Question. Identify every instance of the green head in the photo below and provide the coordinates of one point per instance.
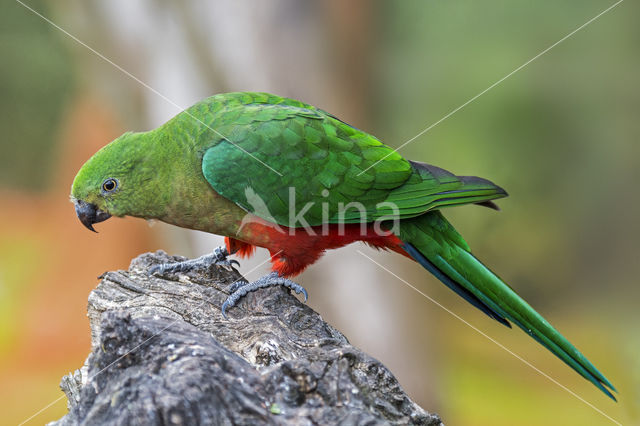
(122, 179)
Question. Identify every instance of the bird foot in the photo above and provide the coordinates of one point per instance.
(219, 257)
(241, 288)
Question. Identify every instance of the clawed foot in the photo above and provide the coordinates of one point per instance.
(219, 257)
(239, 289)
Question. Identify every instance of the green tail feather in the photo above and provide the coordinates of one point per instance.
(433, 242)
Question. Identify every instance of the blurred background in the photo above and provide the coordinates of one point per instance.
(561, 135)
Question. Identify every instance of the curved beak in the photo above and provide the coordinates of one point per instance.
(89, 214)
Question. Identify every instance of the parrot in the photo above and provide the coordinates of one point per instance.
(273, 172)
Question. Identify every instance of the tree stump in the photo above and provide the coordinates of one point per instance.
(163, 354)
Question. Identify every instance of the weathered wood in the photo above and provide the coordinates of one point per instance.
(163, 354)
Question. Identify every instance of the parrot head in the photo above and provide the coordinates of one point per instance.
(114, 182)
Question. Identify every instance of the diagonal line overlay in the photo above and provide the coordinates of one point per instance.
(374, 164)
(494, 341)
(101, 56)
(493, 85)
(138, 346)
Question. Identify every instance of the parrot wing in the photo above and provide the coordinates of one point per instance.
(326, 169)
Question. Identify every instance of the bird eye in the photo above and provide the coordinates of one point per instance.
(109, 185)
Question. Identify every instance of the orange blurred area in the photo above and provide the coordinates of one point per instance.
(50, 262)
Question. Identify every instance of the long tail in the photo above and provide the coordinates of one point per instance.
(433, 242)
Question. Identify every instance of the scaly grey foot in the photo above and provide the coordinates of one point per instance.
(218, 257)
(241, 288)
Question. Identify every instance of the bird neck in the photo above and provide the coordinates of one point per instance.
(191, 202)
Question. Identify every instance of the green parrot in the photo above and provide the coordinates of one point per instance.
(267, 171)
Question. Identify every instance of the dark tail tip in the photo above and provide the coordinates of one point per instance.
(489, 204)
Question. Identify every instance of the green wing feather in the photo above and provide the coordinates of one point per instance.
(324, 165)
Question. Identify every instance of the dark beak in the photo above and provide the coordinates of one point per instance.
(89, 214)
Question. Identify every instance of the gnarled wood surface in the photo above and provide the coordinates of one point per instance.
(163, 354)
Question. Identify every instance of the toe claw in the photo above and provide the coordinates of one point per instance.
(224, 308)
(220, 258)
(155, 269)
(300, 290)
(229, 265)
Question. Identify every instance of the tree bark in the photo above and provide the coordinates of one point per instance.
(163, 354)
